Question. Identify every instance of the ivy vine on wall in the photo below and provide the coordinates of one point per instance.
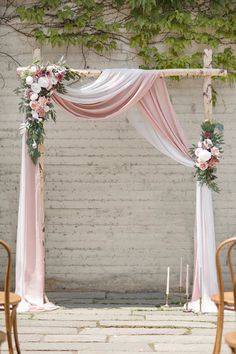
(162, 33)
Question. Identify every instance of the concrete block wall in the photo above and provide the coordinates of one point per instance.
(117, 211)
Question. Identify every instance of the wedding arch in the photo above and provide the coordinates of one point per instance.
(111, 93)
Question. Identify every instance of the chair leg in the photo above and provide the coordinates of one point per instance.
(14, 323)
(8, 324)
(219, 329)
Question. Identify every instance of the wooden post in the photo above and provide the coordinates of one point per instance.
(37, 56)
(207, 87)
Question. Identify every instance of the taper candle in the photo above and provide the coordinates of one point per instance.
(181, 273)
(168, 281)
(187, 280)
(200, 282)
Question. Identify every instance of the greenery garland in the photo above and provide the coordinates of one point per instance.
(207, 153)
(38, 82)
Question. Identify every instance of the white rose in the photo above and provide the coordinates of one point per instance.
(29, 80)
(199, 144)
(197, 151)
(33, 68)
(35, 115)
(43, 82)
(46, 108)
(34, 145)
(35, 87)
(204, 155)
(34, 97)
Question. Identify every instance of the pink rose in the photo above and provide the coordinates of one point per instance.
(39, 73)
(34, 105)
(213, 162)
(42, 101)
(41, 112)
(59, 76)
(202, 165)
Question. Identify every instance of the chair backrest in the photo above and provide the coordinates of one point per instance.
(230, 244)
(7, 281)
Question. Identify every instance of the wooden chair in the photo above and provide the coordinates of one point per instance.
(224, 300)
(230, 339)
(9, 302)
(2, 338)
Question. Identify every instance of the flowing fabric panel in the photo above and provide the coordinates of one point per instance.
(205, 248)
(147, 131)
(204, 233)
(116, 91)
(30, 251)
(112, 93)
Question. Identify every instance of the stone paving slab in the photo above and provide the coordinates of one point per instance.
(117, 329)
(88, 317)
(153, 324)
(187, 348)
(112, 331)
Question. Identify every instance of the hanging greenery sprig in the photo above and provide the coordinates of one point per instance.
(38, 82)
(207, 153)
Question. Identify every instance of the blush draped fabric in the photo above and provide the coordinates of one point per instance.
(112, 93)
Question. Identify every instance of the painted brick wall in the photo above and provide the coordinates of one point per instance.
(117, 211)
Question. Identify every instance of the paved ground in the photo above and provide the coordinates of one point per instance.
(85, 325)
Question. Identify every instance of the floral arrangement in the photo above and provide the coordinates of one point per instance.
(38, 82)
(207, 153)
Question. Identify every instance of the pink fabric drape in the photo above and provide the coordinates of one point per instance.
(30, 253)
(153, 100)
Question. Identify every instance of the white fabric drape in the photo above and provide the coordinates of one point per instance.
(204, 233)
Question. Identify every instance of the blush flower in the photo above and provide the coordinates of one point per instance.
(34, 97)
(202, 165)
(34, 105)
(213, 162)
(41, 112)
(215, 151)
(60, 76)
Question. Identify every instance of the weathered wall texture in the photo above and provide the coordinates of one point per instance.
(117, 211)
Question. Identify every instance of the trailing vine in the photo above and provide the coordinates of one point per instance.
(163, 33)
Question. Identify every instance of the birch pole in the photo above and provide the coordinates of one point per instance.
(37, 56)
(207, 85)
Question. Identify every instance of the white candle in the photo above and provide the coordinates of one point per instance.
(181, 273)
(200, 282)
(168, 281)
(187, 280)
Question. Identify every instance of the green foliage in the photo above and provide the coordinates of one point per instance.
(214, 131)
(183, 28)
(36, 102)
(35, 136)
